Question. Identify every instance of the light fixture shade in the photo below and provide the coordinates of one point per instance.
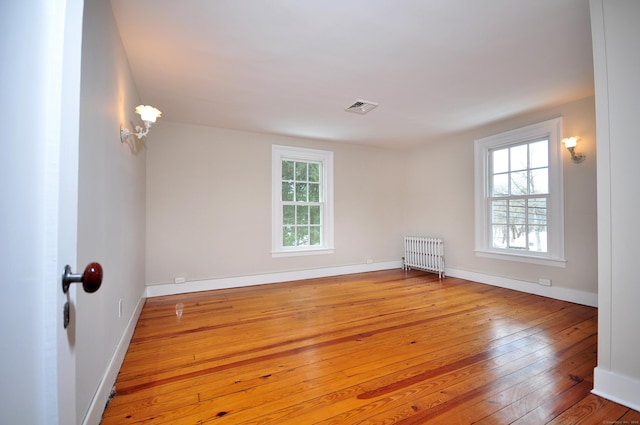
(148, 113)
(570, 142)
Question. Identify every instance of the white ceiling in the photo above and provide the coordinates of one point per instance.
(292, 66)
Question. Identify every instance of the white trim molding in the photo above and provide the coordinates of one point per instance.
(523, 259)
(552, 131)
(281, 153)
(262, 279)
(618, 388)
(556, 292)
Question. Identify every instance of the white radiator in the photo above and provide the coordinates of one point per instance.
(424, 254)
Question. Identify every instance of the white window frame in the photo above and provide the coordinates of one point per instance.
(555, 256)
(278, 154)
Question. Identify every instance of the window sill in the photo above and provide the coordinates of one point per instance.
(531, 259)
(301, 252)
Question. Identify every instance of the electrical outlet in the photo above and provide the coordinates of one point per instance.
(179, 279)
(545, 282)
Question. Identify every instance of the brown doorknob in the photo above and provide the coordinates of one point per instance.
(91, 278)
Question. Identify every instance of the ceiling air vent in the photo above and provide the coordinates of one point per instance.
(361, 106)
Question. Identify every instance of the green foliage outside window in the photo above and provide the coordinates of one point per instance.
(301, 209)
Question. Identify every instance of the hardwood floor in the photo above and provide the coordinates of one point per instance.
(387, 347)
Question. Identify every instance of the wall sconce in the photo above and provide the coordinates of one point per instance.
(570, 144)
(149, 114)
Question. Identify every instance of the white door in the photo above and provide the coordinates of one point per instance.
(39, 117)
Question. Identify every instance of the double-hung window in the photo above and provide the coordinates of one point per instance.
(302, 192)
(519, 196)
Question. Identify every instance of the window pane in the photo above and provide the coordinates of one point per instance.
(499, 236)
(302, 214)
(517, 212)
(314, 213)
(539, 181)
(316, 235)
(314, 192)
(519, 158)
(537, 212)
(301, 171)
(517, 237)
(288, 236)
(499, 212)
(314, 172)
(287, 191)
(288, 214)
(538, 239)
(517, 221)
(301, 192)
(303, 236)
(501, 185)
(519, 183)
(500, 161)
(287, 170)
(539, 154)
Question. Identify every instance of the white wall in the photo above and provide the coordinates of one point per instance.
(111, 210)
(616, 41)
(209, 204)
(441, 183)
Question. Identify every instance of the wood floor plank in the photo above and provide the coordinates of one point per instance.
(390, 347)
(592, 410)
(508, 406)
(469, 385)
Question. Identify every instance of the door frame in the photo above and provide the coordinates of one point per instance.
(65, 63)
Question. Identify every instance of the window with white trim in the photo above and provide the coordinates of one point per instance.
(302, 201)
(519, 195)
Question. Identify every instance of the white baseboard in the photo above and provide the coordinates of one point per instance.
(261, 279)
(618, 388)
(556, 292)
(564, 294)
(100, 398)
